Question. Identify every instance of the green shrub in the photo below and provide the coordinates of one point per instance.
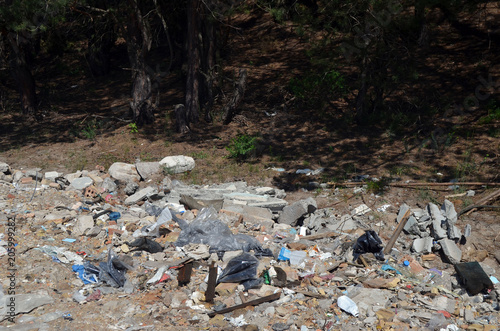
(242, 146)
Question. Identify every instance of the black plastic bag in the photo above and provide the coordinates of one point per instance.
(368, 243)
(145, 244)
(111, 272)
(240, 268)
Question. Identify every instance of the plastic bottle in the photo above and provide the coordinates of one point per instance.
(346, 304)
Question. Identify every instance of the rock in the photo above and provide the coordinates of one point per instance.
(34, 173)
(109, 185)
(147, 169)
(422, 245)
(140, 195)
(448, 210)
(454, 233)
(24, 303)
(411, 226)
(81, 183)
(94, 231)
(402, 211)
(177, 164)
(51, 175)
(4, 168)
(83, 223)
(73, 176)
(131, 187)
(291, 214)
(451, 250)
(124, 172)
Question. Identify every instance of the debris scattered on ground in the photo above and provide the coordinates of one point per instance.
(110, 247)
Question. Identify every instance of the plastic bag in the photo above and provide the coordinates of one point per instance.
(207, 229)
(145, 244)
(240, 268)
(368, 243)
(153, 230)
(111, 272)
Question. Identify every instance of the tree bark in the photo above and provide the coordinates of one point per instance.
(208, 66)
(180, 119)
(21, 74)
(138, 45)
(193, 82)
(239, 93)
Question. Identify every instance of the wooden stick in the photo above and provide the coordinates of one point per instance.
(397, 232)
(480, 202)
(321, 235)
(255, 302)
(212, 283)
(397, 184)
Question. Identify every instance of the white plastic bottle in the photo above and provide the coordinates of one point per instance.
(346, 304)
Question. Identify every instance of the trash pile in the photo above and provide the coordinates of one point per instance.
(112, 248)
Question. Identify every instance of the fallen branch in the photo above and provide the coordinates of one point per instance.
(255, 302)
(481, 203)
(321, 236)
(418, 184)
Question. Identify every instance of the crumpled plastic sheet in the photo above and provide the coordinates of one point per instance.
(111, 272)
(61, 254)
(153, 230)
(208, 230)
(147, 245)
(369, 242)
(239, 269)
(86, 277)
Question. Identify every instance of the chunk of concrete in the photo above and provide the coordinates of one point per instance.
(411, 226)
(148, 169)
(422, 245)
(177, 164)
(291, 214)
(81, 182)
(402, 211)
(83, 223)
(140, 195)
(454, 233)
(109, 185)
(451, 250)
(448, 210)
(51, 175)
(124, 172)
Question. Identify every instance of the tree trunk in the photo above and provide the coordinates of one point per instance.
(138, 44)
(361, 97)
(208, 66)
(21, 73)
(192, 82)
(101, 40)
(180, 119)
(239, 93)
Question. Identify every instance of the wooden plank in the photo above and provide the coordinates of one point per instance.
(255, 302)
(397, 232)
(212, 283)
(321, 235)
(184, 275)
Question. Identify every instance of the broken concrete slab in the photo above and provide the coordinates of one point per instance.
(124, 172)
(448, 210)
(140, 195)
(83, 223)
(451, 250)
(402, 211)
(411, 226)
(81, 182)
(422, 245)
(291, 214)
(147, 169)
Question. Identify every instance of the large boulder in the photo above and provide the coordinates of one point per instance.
(177, 164)
(124, 172)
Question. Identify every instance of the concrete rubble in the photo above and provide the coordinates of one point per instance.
(92, 250)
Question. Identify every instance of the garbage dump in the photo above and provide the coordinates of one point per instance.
(130, 255)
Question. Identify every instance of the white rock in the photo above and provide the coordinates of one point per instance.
(177, 164)
(124, 172)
